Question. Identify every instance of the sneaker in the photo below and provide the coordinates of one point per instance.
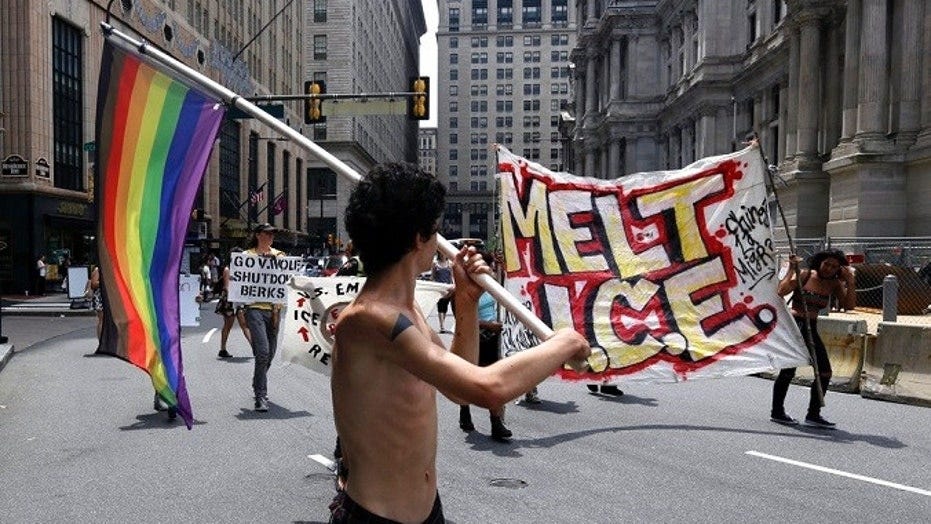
(498, 431)
(261, 404)
(159, 404)
(224, 354)
(465, 419)
(783, 419)
(531, 397)
(172, 413)
(611, 390)
(819, 422)
(593, 388)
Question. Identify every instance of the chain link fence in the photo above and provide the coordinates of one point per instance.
(874, 258)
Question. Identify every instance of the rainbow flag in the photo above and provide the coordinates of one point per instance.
(154, 137)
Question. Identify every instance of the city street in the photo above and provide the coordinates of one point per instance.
(80, 442)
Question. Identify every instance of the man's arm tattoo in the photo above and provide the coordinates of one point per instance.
(400, 325)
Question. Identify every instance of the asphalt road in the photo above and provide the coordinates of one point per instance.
(79, 442)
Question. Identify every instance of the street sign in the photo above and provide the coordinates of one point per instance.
(389, 106)
(275, 110)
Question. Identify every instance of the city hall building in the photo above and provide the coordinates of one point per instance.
(838, 91)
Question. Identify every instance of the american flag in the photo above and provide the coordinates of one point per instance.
(257, 196)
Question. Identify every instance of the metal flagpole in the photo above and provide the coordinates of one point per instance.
(770, 181)
(537, 326)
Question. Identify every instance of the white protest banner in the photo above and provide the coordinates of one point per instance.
(256, 278)
(188, 290)
(313, 306)
(670, 275)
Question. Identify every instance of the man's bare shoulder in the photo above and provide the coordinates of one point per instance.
(364, 318)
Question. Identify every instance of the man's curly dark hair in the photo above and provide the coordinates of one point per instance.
(393, 203)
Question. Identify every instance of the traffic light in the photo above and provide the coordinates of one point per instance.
(313, 111)
(418, 107)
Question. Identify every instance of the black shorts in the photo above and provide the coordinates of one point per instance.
(489, 350)
(442, 305)
(344, 510)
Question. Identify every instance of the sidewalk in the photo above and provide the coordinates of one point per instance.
(51, 304)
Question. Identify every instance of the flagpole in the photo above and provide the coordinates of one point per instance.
(809, 340)
(537, 326)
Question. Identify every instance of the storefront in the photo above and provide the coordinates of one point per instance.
(33, 225)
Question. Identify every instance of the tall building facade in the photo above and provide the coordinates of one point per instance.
(505, 79)
(49, 65)
(427, 149)
(839, 92)
(355, 47)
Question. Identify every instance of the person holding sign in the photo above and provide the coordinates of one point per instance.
(388, 363)
(262, 320)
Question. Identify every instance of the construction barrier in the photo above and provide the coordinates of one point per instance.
(844, 340)
(897, 366)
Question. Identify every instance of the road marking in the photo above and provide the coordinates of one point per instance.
(208, 335)
(325, 462)
(841, 473)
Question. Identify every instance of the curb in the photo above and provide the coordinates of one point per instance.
(6, 353)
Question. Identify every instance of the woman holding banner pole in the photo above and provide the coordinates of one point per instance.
(827, 276)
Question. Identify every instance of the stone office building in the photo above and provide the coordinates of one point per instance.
(49, 64)
(839, 92)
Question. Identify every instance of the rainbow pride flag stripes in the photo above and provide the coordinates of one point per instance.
(154, 137)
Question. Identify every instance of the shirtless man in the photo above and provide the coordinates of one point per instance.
(388, 363)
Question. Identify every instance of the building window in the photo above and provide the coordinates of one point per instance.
(68, 105)
(479, 14)
(454, 20)
(229, 169)
(560, 13)
(270, 173)
(453, 122)
(453, 138)
(453, 42)
(505, 14)
(319, 11)
(319, 47)
(530, 13)
(286, 187)
(454, 74)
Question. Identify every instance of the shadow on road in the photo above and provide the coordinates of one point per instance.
(481, 442)
(559, 408)
(275, 411)
(157, 421)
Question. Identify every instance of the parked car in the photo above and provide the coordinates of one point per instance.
(314, 267)
(332, 264)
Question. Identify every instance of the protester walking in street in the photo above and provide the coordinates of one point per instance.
(229, 311)
(828, 275)
(93, 291)
(262, 319)
(489, 352)
(388, 363)
(442, 272)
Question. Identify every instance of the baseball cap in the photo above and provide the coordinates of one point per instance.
(264, 227)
